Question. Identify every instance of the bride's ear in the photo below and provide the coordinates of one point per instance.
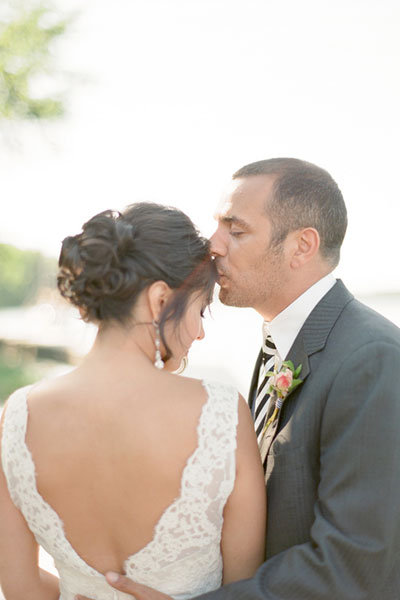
(158, 294)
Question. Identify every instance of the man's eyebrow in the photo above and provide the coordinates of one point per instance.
(235, 221)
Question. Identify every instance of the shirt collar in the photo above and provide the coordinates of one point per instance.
(287, 324)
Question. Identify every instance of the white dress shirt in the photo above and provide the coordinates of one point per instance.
(285, 327)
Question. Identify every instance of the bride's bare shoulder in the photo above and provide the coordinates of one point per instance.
(194, 391)
(50, 390)
(187, 387)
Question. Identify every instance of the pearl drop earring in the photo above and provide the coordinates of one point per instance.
(158, 362)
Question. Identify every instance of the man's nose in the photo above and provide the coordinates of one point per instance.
(218, 247)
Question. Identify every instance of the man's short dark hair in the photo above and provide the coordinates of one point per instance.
(304, 195)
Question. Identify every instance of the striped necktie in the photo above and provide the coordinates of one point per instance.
(262, 397)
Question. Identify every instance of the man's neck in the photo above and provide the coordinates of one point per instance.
(287, 324)
(290, 295)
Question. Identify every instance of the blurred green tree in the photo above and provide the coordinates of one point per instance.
(26, 37)
(22, 274)
(14, 377)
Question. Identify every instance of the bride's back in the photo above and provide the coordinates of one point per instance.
(109, 456)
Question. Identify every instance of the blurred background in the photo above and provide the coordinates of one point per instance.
(104, 104)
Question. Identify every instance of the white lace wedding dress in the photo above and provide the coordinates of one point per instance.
(183, 559)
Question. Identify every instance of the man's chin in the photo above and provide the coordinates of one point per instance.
(223, 296)
(229, 299)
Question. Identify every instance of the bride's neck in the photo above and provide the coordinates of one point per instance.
(120, 347)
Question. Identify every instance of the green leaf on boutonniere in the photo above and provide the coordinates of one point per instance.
(297, 372)
(288, 363)
(294, 385)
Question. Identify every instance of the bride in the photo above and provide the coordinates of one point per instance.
(120, 464)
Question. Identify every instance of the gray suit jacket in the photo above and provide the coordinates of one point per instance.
(333, 465)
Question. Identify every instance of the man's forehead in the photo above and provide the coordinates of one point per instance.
(244, 196)
(226, 203)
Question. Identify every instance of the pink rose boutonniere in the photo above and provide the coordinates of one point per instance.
(282, 383)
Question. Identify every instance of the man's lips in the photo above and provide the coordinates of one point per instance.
(221, 273)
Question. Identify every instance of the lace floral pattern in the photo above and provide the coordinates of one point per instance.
(183, 559)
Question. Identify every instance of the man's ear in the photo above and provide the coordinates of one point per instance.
(158, 294)
(304, 246)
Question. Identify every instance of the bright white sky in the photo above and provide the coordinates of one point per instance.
(178, 94)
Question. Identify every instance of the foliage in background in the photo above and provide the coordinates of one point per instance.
(19, 367)
(22, 274)
(26, 38)
(28, 91)
(15, 376)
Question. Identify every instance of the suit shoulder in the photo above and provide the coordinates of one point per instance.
(369, 323)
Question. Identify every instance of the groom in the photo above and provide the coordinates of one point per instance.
(332, 453)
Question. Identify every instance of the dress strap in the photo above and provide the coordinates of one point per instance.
(14, 452)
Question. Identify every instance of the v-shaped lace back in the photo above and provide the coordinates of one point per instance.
(183, 559)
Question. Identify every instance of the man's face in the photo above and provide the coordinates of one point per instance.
(251, 272)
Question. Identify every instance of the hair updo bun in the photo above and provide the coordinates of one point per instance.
(104, 268)
(93, 266)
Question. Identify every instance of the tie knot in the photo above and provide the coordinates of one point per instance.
(268, 346)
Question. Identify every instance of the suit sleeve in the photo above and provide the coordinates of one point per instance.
(354, 550)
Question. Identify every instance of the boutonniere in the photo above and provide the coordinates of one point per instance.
(283, 382)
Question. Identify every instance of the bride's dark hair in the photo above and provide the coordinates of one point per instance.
(117, 255)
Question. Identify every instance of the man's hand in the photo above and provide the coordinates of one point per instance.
(137, 590)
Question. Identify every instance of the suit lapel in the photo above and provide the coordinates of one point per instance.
(311, 338)
(321, 320)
